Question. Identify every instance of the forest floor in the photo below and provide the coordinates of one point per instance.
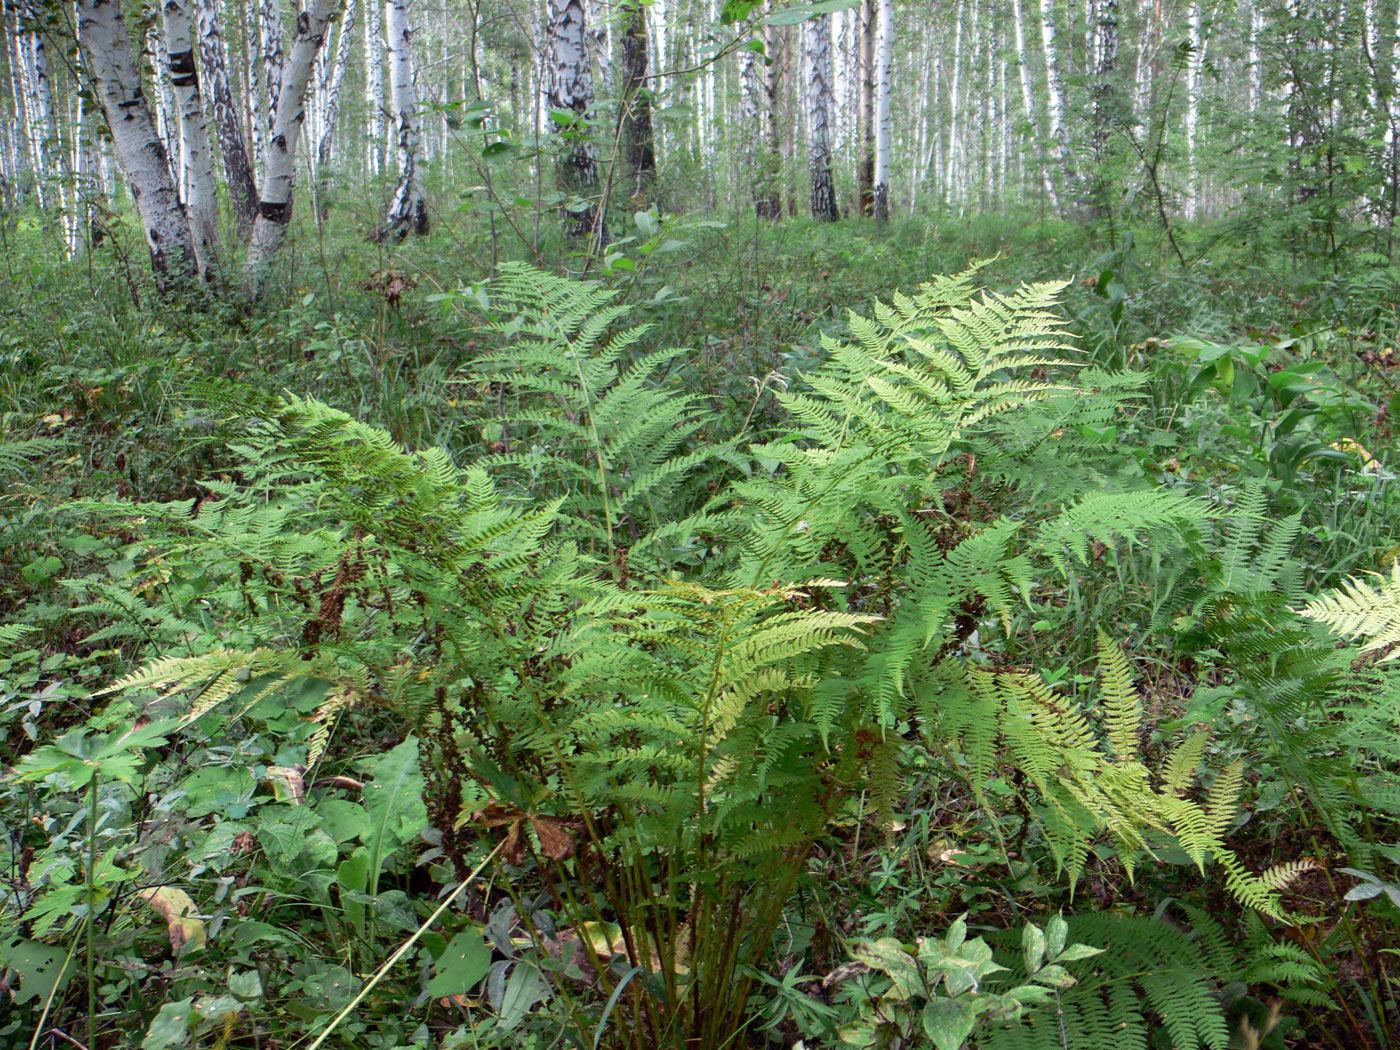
(211, 853)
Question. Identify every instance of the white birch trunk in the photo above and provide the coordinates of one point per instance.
(1195, 69)
(955, 107)
(408, 211)
(374, 87)
(196, 160)
(570, 89)
(1055, 95)
(108, 57)
(167, 124)
(1029, 107)
(324, 148)
(884, 56)
(273, 60)
(239, 173)
(45, 130)
(275, 204)
(817, 37)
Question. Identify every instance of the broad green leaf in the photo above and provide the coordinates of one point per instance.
(1033, 945)
(948, 1022)
(170, 1027)
(462, 966)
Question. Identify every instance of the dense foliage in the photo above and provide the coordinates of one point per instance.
(965, 672)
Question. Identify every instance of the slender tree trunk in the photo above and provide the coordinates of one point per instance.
(1055, 92)
(273, 60)
(955, 107)
(196, 161)
(42, 127)
(242, 187)
(600, 45)
(167, 123)
(332, 103)
(1195, 79)
(408, 211)
(108, 57)
(1106, 49)
(374, 86)
(275, 205)
(1029, 106)
(884, 56)
(819, 107)
(865, 76)
(637, 133)
(570, 90)
(768, 203)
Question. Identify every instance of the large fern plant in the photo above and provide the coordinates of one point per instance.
(667, 737)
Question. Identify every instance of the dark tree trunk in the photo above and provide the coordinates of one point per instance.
(636, 100)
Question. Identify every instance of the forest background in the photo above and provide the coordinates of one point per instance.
(699, 523)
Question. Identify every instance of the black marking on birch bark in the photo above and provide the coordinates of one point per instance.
(279, 213)
(182, 70)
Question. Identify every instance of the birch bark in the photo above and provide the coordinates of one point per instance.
(408, 211)
(196, 162)
(1195, 76)
(374, 86)
(884, 52)
(817, 36)
(337, 81)
(1055, 94)
(237, 171)
(107, 55)
(569, 95)
(275, 203)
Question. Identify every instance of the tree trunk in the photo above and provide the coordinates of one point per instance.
(1106, 52)
(39, 97)
(768, 204)
(272, 58)
(107, 55)
(636, 103)
(600, 44)
(1195, 79)
(570, 97)
(817, 36)
(239, 173)
(865, 77)
(196, 163)
(374, 86)
(275, 204)
(955, 107)
(1028, 104)
(408, 211)
(1055, 91)
(332, 102)
(884, 53)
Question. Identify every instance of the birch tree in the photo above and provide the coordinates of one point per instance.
(817, 37)
(196, 161)
(408, 211)
(1055, 97)
(331, 102)
(1195, 81)
(238, 171)
(108, 57)
(570, 97)
(374, 87)
(275, 203)
(865, 80)
(883, 75)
